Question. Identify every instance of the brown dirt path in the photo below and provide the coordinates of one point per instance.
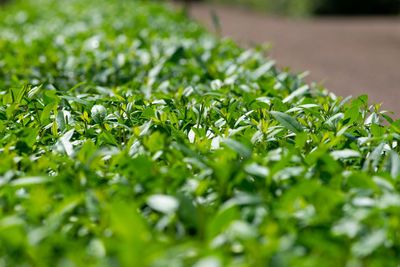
(352, 56)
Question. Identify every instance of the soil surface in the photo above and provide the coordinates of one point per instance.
(351, 56)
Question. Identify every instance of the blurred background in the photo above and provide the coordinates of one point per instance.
(320, 7)
(352, 47)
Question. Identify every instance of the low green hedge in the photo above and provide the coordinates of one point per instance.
(129, 136)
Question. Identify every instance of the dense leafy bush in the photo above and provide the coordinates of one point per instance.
(129, 136)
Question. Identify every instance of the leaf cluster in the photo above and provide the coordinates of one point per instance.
(129, 136)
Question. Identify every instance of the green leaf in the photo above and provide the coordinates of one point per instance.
(208, 262)
(242, 230)
(394, 160)
(46, 111)
(34, 91)
(60, 119)
(257, 170)
(19, 94)
(287, 121)
(262, 70)
(299, 92)
(148, 113)
(377, 130)
(163, 203)
(98, 113)
(109, 138)
(27, 181)
(241, 149)
(76, 86)
(86, 151)
(178, 54)
(373, 159)
(345, 154)
(369, 243)
(50, 96)
(65, 143)
(30, 136)
(187, 211)
(353, 114)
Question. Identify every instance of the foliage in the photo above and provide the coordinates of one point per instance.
(129, 136)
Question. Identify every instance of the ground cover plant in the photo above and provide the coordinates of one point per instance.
(129, 136)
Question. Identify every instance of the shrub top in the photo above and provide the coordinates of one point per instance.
(129, 136)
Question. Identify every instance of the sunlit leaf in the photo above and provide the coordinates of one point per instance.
(163, 203)
(287, 121)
